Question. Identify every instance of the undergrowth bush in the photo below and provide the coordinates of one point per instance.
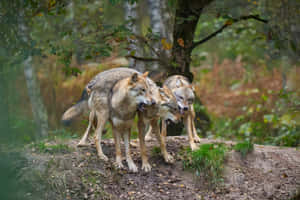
(207, 161)
(277, 126)
(244, 147)
(44, 147)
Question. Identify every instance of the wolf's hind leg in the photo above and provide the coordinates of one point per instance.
(83, 141)
(102, 118)
(132, 167)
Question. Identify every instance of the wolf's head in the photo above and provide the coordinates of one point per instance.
(169, 109)
(138, 91)
(184, 95)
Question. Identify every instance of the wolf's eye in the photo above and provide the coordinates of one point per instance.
(190, 101)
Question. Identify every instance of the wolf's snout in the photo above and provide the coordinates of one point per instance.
(153, 102)
(183, 109)
(141, 106)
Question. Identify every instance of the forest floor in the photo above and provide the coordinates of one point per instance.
(76, 173)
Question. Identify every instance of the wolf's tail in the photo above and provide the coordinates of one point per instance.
(77, 109)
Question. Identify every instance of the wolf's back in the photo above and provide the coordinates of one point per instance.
(76, 110)
(103, 82)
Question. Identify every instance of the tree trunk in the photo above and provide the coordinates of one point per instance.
(131, 16)
(4, 110)
(186, 20)
(37, 106)
(167, 21)
(157, 26)
(38, 109)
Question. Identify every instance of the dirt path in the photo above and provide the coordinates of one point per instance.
(267, 173)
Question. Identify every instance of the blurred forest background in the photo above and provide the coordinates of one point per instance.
(243, 57)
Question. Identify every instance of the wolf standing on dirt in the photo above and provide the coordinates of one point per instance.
(106, 101)
(183, 91)
(116, 100)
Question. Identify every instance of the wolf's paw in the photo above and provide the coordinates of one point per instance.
(132, 167)
(148, 137)
(146, 167)
(196, 138)
(168, 158)
(194, 146)
(103, 157)
(82, 143)
(134, 143)
(119, 165)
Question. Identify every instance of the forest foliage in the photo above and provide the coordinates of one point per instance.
(259, 35)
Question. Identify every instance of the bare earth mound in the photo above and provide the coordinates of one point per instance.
(267, 173)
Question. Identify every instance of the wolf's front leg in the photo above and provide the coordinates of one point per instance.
(102, 118)
(192, 115)
(142, 129)
(162, 139)
(117, 138)
(196, 137)
(188, 127)
(148, 136)
(132, 167)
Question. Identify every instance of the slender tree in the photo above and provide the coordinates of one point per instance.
(131, 15)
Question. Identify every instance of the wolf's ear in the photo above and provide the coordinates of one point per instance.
(165, 91)
(178, 83)
(165, 88)
(145, 74)
(134, 78)
(162, 93)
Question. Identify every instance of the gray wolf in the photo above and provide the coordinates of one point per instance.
(116, 100)
(184, 94)
(163, 104)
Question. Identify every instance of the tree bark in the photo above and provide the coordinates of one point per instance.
(186, 19)
(38, 109)
(131, 15)
(4, 110)
(37, 106)
(156, 25)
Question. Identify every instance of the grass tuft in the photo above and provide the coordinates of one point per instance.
(207, 161)
(244, 148)
(43, 147)
(155, 151)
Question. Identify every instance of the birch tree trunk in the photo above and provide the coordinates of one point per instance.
(4, 110)
(37, 106)
(156, 25)
(38, 109)
(167, 21)
(131, 15)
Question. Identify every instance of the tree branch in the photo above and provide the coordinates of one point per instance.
(227, 23)
(145, 59)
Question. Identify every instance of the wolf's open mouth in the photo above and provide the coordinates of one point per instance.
(141, 107)
(168, 121)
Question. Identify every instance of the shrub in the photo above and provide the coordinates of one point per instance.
(43, 147)
(244, 147)
(207, 161)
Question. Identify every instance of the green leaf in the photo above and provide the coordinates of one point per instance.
(268, 118)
